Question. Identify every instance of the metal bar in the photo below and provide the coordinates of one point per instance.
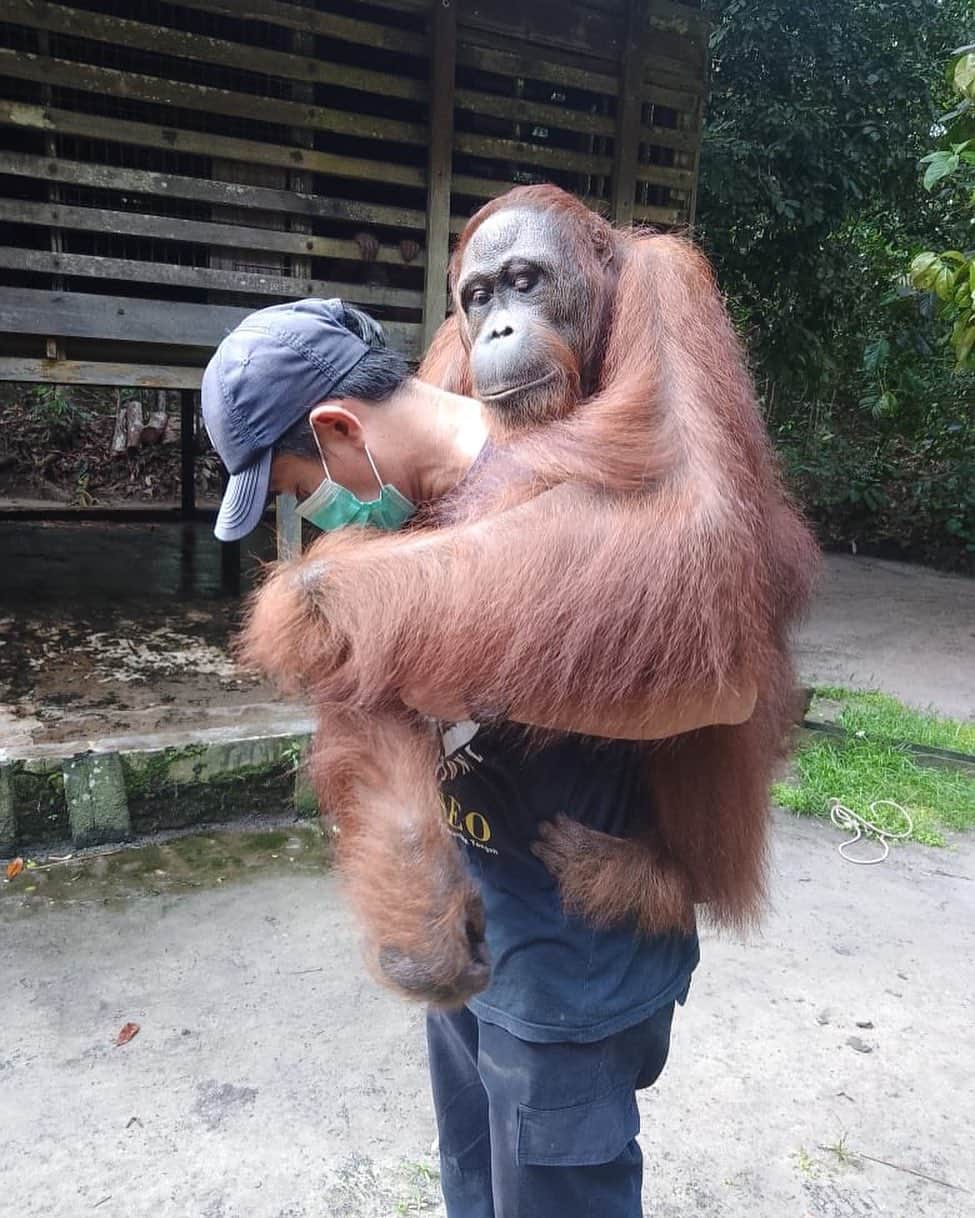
(187, 445)
(287, 527)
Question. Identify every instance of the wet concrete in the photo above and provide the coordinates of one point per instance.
(95, 562)
(270, 1078)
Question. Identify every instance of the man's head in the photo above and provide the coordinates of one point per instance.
(282, 372)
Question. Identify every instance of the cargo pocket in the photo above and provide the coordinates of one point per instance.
(582, 1135)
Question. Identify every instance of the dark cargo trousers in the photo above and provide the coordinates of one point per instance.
(541, 1130)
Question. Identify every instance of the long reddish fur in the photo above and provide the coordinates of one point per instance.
(641, 543)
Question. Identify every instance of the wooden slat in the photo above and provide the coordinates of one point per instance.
(551, 23)
(477, 51)
(669, 137)
(528, 63)
(84, 372)
(682, 100)
(202, 143)
(669, 10)
(134, 320)
(661, 175)
(328, 25)
(672, 74)
(167, 228)
(205, 190)
(473, 187)
(536, 113)
(443, 71)
(627, 145)
(156, 89)
(562, 118)
(531, 154)
(164, 40)
(202, 278)
(667, 216)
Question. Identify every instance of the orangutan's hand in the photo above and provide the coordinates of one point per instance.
(612, 880)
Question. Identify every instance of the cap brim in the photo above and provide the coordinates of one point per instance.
(244, 500)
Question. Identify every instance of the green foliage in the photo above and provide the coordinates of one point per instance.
(811, 206)
(57, 420)
(949, 276)
(902, 494)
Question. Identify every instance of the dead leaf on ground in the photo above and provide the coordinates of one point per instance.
(14, 868)
(130, 1030)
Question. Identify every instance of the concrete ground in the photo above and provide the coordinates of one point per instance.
(271, 1079)
(906, 630)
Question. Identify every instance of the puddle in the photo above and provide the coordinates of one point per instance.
(176, 864)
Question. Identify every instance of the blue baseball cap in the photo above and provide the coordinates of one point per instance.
(266, 375)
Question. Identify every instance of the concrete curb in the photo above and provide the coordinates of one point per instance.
(110, 790)
(927, 754)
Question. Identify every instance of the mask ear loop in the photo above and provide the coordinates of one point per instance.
(321, 453)
(372, 466)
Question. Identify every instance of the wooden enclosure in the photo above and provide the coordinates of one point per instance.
(165, 167)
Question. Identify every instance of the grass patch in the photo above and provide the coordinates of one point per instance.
(881, 717)
(859, 771)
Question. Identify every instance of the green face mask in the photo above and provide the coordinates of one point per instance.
(332, 506)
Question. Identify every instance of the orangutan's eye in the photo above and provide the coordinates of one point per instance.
(525, 281)
(478, 296)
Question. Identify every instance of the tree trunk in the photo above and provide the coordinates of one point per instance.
(155, 429)
(134, 424)
(121, 426)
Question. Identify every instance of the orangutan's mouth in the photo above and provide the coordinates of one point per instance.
(499, 395)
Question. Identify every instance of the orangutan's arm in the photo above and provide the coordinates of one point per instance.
(638, 719)
(555, 612)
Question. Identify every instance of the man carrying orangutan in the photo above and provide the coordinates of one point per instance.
(534, 1079)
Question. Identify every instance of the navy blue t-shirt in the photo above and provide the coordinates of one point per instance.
(554, 977)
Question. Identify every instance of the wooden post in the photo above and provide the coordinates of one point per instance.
(187, 440)
(629, 108)
(288, 527)
(443, 62)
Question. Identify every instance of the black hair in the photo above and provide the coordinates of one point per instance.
(375, 378)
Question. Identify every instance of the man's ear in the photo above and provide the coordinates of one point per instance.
(335, 425)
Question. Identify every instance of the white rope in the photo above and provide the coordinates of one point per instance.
(845, 818)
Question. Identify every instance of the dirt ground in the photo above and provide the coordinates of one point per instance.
(118, 629)
(821, 1069)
